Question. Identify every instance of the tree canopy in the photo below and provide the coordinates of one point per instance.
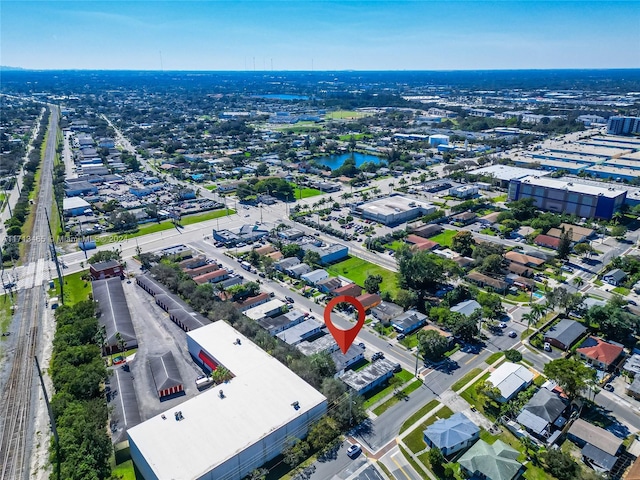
(571, 375)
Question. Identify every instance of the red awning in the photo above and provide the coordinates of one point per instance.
(207, 360)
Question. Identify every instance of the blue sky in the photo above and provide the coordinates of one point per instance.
(330, 35)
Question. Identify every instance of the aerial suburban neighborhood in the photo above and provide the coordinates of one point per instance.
(169, 246)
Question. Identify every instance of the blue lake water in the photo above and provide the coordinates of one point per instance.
(336, 161)
(282, 96)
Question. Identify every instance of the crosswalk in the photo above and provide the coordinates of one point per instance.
(33, 274)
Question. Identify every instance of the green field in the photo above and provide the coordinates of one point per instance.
(345, 115)
(306, 192)
(162, 226)
(75, 289)
(355, 136)
(211, 187)
(300, 127)
(357, 270)
(444, 238)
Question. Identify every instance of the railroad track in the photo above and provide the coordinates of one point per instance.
(16, 418)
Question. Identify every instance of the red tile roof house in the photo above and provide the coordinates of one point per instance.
(599, 353)
(350, 289)
(420, 243)
(547, 241)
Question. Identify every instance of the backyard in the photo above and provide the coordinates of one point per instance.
(75, 288)
(444, 238)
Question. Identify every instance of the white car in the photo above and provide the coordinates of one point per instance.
(547, 346)
(354, 450)
(502, 325)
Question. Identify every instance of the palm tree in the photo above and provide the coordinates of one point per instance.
(529, 317)
(101, 338)
(617, 217)
(538, 310)
(578, 282)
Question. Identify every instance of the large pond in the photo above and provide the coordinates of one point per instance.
(336, 161)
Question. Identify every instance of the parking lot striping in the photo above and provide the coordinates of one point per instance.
(400, 466)
(124, 411)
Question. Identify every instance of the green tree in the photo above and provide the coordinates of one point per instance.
(372, 283)
(618, 231)
(523, 209)
(291, 250)
(466, 328)
(406, 299)
(492, 264)
(323, 433)
(436, 459)
(311, 258)
(295, 452)
(564, 247)
(571, 375)
(432, 345)
(513, 355)
(560, 464)
(583, 249)
(463, 242)
(105, 256)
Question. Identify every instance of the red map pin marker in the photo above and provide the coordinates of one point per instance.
(344, 338)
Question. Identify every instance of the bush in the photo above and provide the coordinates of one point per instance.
(513, 355)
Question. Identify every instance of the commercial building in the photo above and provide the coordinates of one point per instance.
(464, 191)
(566, 197)
(329, 253)
(226, 432)
(315, 276)
(74, 206)
(435, 140)
(393, 210)
(165, 374)
(623, 125)
(503, 174)
(113, 314)
(108, 269)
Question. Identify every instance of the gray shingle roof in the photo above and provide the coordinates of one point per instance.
(566, 331)
(164, 371)
(113, 311)
(449, 432)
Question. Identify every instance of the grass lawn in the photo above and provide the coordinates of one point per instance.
(414, 464)
(395, 245)
(162, 226)
(493, 357)
(410, 341)
(520, 297)
(419, 414)
(345, 115)
(378, 394)
(125, 471)
(470, 394)
(488, 231)
(211, 187)
(444, 238)
(301, 127)
(357, 270)
(621, 291)
(301, 193)
(404, 393)
(355, 136)
(75, 289)
(499, 198)
(415, 440)
(5, 313)
(466, 379)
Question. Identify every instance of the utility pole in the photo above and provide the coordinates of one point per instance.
(54, 254)
(51, 418)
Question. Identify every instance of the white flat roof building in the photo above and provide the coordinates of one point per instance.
(265, 310)
(224, 437)
(506, 173)
(394, 209)
(510, 378)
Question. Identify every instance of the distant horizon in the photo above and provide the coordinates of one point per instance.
(322, 35)
(23, 69)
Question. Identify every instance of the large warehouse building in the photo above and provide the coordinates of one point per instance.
(227, 431)
(560, 196)
(393, 210)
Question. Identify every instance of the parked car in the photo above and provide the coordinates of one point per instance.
(566, 268)
(608, 387)
(631, 302)
(547, 346)
(377, 356)
(354, 450)
(361, 344)
(289, 299)
(401, 336)
(502, 325)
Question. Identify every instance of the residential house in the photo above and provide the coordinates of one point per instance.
(350, 289)
(510, 378)
(447, 335)
(344, 361)
(298, 270)
(542, 412)
(488, 282)
(408, 321)
(419, 243)
(275, 325)
(466, 308)
(615, 277)
(633, 390)
(386, 311)
(302, 331)
(632, 365)
(370, 377)
(286, 263)
(491, 462)
(329, 285)
(450, 435)
(251, 302)
(522, 259)
(428, 231)
(314, 277)
(464, 218)
(547, 241)
(520, 270)
(600, 353)
(490, 218)
(212, 277)
(599, 446)
(369, 300)
(270, 308)
(576, 234)
(564, 334)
